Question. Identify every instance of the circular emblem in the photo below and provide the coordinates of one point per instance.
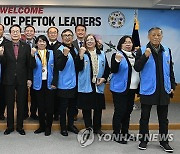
(85, 137)
(116, 19)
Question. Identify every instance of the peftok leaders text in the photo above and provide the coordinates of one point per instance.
(51, 21)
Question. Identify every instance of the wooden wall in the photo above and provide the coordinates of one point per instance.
(176, 98)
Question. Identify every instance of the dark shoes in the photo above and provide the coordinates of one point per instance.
(100, 132)
(73, 129)
(34, 117)
(119, 138)
(70, 128)
(142, 145)
(166, 147)
(64, 132)
(39, 130)
(8, 131)
(21, 131)
(47, 131)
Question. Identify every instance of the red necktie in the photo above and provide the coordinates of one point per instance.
(16, 48)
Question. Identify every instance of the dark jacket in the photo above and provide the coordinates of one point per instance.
(160, 97)
(75, 44)
(54, 47)
(115, 68)
(16, 70)
(2, 66)
(106, 71)
(60, 65)
(55, 72)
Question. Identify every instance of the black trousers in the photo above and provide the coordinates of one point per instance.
(76, 109)
(45, 99)
(26, 107)
(34, 104)
(96, 122)
(21, 91)
(162, 112)
(2, 100)
(67, 106)
(56, 104)
(123, 106)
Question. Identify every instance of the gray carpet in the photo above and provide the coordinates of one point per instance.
(57, 144)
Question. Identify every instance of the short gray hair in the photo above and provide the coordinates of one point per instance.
(154, 28)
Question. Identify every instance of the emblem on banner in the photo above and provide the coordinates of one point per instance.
(116, 19)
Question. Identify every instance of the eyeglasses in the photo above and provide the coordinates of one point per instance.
(90, 40)
(67, 36)
(15, 31)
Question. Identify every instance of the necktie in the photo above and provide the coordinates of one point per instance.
(16, 50)
(80, 44)
(30, 43)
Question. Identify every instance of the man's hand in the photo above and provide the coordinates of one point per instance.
(82, 50)
(33, 50)
(53, 87)
(1, 50)
(29, 83)
(118, 57)
(100, 81)
(66, 51)
(147, 52)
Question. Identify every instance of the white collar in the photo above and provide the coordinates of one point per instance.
(1, 39)
(80, 41)
(52, 42)
(29, 41)
(128, 53)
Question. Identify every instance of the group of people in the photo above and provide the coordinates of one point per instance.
(70, 75)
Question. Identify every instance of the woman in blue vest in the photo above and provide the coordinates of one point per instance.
(44, 81)
(67, 81)
(94, 71)
(123, 85)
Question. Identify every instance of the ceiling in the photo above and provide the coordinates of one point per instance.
(151, 4)
(166, 4)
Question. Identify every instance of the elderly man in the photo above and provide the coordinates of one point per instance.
(15, 56)
(157, 85)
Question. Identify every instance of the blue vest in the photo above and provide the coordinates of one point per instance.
(37, 72)
(67, 77)
(119, 80)
(84, 77)
(148, 74)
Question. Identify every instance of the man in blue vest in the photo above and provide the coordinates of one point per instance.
(67, 64)
(157, 85)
